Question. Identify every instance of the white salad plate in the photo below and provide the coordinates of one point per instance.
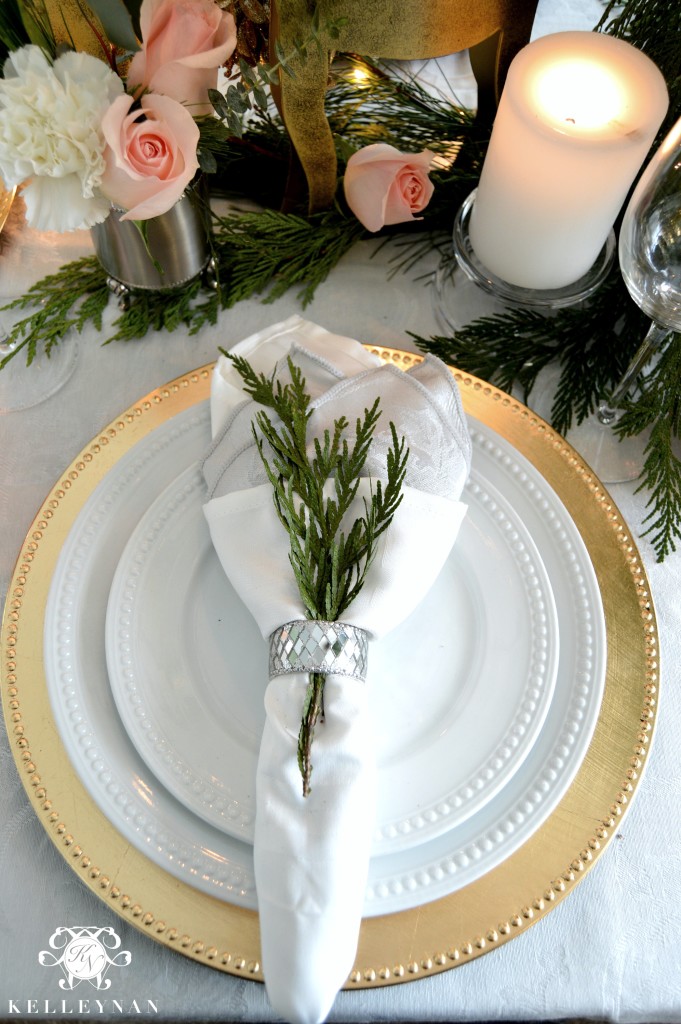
(458, 693)
(154, 821)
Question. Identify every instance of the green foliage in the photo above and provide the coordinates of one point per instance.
(52, 302)
(117, 23)
(277, 251)
(13, 34)
(26, 21)
(78, 294)
(254, 253)
(591, 343)
(329, 560)
(659, 408)
(248, 90)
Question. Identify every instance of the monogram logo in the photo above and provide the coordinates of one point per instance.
(84, 954)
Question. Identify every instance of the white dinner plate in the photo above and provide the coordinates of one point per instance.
(458, 693)
(159, 825)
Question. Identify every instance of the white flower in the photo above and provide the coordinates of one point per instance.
(50, 135)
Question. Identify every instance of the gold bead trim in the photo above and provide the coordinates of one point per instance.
(125, 904)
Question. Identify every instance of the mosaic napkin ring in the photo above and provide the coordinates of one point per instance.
(309, 645)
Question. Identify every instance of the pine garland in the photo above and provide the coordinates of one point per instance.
(256, 253)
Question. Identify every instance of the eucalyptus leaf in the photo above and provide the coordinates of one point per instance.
(260, 97)
(219, 103)
(237, 99)
(234, 124)
(117, 23)
(269, 76)
(207, 161)
(247, 73)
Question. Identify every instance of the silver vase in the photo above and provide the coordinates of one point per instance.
(178, 246)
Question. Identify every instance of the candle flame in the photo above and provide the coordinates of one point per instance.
(580, 94)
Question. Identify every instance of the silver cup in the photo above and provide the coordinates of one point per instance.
(178, 244)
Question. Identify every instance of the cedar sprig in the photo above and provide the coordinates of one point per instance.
(329, 560)
(592, 344)
(658, 408)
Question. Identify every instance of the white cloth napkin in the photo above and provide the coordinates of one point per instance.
(312, 854)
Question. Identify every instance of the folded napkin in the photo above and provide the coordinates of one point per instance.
(312, 853)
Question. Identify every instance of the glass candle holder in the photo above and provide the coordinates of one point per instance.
(465, 289)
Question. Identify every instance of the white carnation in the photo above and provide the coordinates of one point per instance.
(50, 135)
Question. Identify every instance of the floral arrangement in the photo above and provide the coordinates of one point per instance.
(394, 145)
(81, 136)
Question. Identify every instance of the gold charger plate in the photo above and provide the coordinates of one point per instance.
(394, 948)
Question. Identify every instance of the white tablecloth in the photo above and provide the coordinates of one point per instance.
(609, 952)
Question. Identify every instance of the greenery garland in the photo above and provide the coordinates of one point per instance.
(269, 252)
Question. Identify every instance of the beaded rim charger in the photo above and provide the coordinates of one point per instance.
(439, 935)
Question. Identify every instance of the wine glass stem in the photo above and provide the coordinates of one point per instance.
(608, 409)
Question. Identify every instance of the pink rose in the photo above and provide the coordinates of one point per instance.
(383, 186)
(150, 160)
(184, 43)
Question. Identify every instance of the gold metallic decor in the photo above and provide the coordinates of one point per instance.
(399, 947)
(75, 25)
(494, 30)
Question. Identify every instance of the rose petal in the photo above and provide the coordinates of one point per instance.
(148, 163)
(184, 43)
(383, 186)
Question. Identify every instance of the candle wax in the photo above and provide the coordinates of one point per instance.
(576, 119)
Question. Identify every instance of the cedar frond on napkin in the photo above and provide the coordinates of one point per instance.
(329, 564)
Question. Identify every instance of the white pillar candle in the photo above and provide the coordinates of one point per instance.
(577, 116)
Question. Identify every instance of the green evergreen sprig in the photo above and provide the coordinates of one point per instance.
(76, 295)
(263, 253)
(658, 408)
(592, 345)
(329, 559)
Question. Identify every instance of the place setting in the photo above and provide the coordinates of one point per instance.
(142, 632)
(328, 664)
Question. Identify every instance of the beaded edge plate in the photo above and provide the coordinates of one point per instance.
(413, 943)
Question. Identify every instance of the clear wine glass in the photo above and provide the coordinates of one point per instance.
(650, 262)
(22, 386)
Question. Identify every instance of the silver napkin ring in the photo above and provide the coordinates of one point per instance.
(308, 645)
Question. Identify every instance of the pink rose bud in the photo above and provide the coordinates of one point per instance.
(383, 186)
(150, 159)
(184, 44)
